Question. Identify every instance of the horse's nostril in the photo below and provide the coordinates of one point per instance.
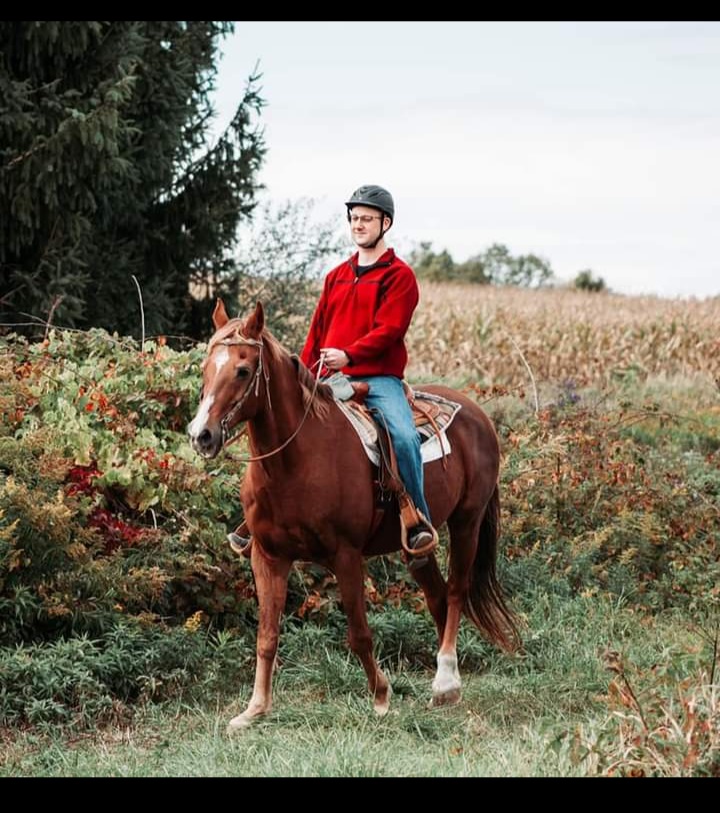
(204, 437)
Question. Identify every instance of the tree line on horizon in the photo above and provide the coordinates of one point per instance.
(494, 266)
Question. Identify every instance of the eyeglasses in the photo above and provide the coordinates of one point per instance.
(364, 218)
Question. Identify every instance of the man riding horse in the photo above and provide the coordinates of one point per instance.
(359, 328)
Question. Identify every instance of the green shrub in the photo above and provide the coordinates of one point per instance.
(82, 682)
(109, 522)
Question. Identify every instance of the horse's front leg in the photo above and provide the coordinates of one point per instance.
(271, 579)
(349, 572)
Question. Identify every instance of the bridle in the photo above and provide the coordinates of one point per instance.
(235, 340)
(239, 339)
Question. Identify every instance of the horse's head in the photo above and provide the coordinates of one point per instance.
(232, 373)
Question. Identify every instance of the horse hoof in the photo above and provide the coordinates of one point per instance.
(449, 698)
(381, 707)
(239, 723)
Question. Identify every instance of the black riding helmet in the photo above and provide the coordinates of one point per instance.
(374, 196)
(378, 198)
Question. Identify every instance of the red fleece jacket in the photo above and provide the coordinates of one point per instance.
(365, 315)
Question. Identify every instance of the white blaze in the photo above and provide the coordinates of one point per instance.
(200, 420)
(221, 359)
(222, 356)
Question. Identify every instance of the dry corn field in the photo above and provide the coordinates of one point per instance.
(482, 333)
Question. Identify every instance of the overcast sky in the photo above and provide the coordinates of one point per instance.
(595, 145)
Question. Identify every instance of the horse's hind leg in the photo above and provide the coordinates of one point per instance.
(349, 572)
(433, 586)
(271, 578)
(446, 686)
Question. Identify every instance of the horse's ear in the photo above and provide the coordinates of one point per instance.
(256, 322)
(220, 316)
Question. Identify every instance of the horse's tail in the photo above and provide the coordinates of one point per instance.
(485, 604)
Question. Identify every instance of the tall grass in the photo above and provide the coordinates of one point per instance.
(545, 712)
(477, 333)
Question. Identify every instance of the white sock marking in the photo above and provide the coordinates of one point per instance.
(447, 677)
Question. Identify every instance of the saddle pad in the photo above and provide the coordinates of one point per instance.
(442, 410)
(432, 447)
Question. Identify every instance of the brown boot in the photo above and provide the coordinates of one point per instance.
(421, 538)
(239, 542)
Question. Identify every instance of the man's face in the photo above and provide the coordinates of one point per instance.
(365, 225)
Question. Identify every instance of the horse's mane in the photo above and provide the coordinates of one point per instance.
(276, 353)
(320, 404)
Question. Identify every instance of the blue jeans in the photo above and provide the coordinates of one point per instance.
(387, 395)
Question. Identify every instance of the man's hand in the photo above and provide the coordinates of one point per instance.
(333, 358)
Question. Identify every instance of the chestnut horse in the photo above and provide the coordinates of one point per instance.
(308, 495)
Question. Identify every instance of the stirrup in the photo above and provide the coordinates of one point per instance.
(240, 544)
(416, 557)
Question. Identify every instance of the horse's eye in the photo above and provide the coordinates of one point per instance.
(242, 372)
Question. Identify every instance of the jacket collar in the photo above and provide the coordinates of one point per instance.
(383, 261)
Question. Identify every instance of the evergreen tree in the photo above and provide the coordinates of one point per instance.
(104, 173)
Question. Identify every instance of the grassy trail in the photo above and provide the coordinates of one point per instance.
(528, 715)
